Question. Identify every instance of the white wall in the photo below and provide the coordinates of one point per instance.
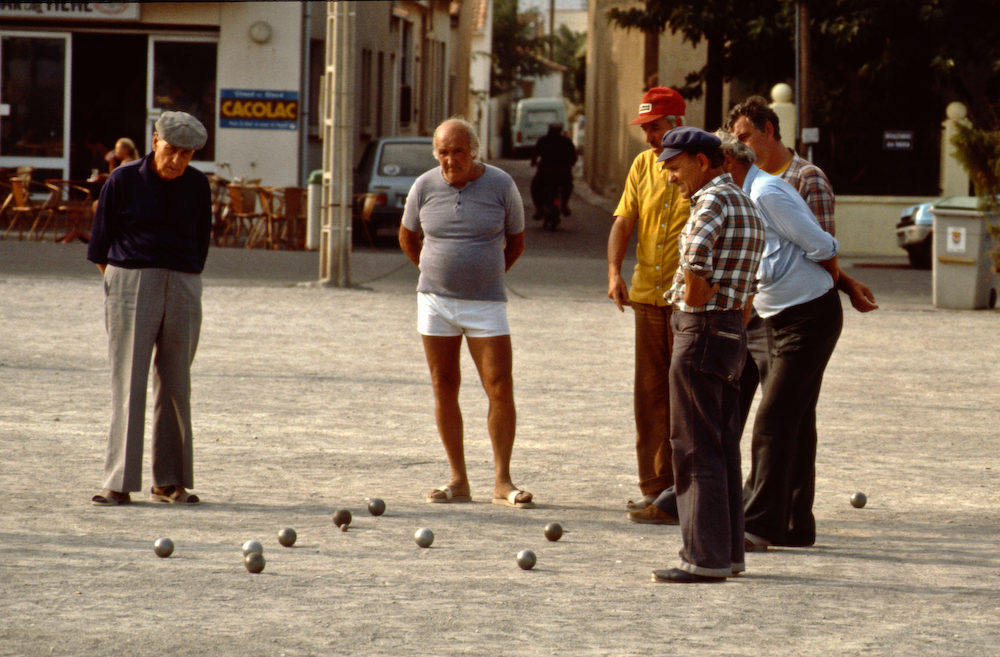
(271, 155)
(866, 225)
(549, 86)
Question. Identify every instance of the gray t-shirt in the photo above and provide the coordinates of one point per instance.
(464, 232)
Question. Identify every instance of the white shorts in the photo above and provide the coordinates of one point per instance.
(444, 317)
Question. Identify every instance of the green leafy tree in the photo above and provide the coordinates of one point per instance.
(747, 39)
(516, 48)
(896, 57)
(569, 49)
(890, 56)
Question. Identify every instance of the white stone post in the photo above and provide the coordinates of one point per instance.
(954, 179)
(781, 97)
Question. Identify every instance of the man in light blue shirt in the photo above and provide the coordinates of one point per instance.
(798, 303)
(793, 245)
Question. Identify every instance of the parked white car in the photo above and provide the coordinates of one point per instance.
(388, 168)
(913, 233)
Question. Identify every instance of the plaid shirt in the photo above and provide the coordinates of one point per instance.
(814, 187)
(722, 242)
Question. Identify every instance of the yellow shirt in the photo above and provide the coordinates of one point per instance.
(660, 213)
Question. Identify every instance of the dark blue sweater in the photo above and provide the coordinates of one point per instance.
(145, 221)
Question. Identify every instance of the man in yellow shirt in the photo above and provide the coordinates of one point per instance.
(656, 208)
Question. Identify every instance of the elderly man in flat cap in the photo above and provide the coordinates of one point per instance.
(150, 241)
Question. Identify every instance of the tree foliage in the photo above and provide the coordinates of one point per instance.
(516, 49)
(569, 49)
(747, 39)
(904, 58)
(899, 56)
(978, 150)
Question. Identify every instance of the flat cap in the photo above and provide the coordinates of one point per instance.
(687, 139)
(181, 130)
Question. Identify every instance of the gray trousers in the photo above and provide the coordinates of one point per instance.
(151, 315)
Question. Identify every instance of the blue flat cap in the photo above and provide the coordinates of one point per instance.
(686, 139)
(181, 130)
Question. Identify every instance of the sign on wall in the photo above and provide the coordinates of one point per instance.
(258, 109)
(103, 11)
(897, 140)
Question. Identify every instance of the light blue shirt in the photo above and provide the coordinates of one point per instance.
(793, 245)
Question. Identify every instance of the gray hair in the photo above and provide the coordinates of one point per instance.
(470, 132)
(735, 149)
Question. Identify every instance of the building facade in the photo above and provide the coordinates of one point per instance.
(616, 80)
(75, 77)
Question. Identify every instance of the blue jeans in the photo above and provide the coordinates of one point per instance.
(709, 351)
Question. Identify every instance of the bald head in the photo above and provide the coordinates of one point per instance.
(457, 127)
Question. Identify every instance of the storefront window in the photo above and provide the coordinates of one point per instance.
(33, 79)
(184, 80)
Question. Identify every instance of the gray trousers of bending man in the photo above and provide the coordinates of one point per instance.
(151, 315)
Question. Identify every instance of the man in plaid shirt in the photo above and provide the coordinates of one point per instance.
(755, 124)
(720, 250)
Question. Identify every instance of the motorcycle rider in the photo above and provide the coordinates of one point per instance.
(554, 155)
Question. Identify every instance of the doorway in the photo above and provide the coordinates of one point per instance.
(108, 99)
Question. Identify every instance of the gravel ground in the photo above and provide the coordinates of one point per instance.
(311, 399)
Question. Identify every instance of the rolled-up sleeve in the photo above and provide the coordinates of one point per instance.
(791, 218)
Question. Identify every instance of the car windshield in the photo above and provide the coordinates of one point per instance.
(406, 159)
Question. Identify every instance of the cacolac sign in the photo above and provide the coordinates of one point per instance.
(257, 109)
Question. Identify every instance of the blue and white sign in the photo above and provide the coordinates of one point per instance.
(258, 109)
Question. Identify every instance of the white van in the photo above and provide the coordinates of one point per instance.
(531, 121)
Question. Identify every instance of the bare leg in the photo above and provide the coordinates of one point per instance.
(446, 377)
(494, 361)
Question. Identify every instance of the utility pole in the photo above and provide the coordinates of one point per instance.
(338, 146)
(802, 73)
(552, 29)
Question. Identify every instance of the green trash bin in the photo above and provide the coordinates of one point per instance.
(963, 274)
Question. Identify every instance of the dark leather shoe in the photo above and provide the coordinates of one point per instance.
(678, 576)
(652, 515)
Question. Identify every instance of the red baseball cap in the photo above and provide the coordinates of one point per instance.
(657, 103)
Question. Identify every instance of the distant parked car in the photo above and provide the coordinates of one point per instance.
(388, 168)
(913, 233)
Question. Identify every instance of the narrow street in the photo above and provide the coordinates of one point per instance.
(582, 234)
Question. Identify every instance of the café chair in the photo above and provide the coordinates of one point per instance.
(285, 215)
(241, 215)
(21, 207)
(71, 205)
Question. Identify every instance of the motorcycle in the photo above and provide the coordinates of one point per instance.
(545, 194)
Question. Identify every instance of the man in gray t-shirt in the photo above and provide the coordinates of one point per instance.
(464, 232)
(472, 221)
